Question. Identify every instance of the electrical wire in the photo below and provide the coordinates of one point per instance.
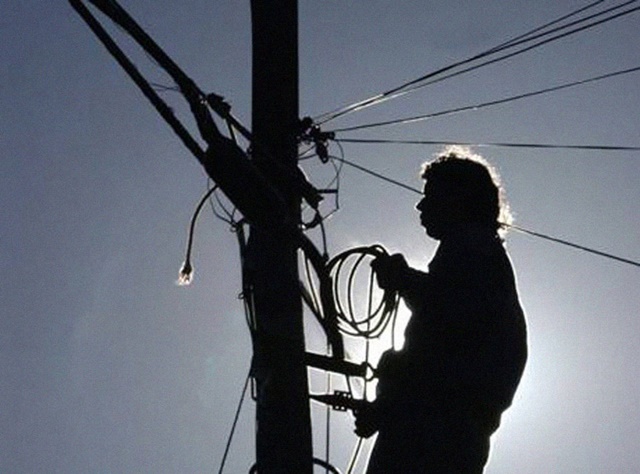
(549, 24)
(378, 175)
(224, 215)
(327, 441)
(514, 227)
(488, 144)
(201, 104)
(571, 244)
(371, 325)
(438, 75)
(186, 271)
(354, 456)
(325, 311)
(234, 424)
(483, 105)
(318, 462)
(377, 316)
(196, 98)
(161, 107)
(420, 82)
(333, 187)
(529, 48)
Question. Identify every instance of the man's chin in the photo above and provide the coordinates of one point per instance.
(432, 232)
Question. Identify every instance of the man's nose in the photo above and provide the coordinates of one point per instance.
(420, 204)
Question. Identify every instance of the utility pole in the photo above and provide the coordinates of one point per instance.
(283, 438)
(268, 193)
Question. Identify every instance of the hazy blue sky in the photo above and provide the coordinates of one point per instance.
(107, 366)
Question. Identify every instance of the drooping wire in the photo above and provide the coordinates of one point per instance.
(186, 271)
(218, 209)
(439, 74)
(234, 424)
(488, 144)
(228, 216)
(447, 112)
(514, 227)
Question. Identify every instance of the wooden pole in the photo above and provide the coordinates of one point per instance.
(283, 438)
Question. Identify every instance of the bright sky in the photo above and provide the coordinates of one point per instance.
(108, 366)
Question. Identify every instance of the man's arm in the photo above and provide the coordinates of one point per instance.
(394, 274)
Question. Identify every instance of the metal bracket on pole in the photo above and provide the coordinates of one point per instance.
(339, 366)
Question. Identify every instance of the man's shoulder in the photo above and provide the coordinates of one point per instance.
(464, 258)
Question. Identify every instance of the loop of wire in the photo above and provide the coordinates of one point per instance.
(343, 270)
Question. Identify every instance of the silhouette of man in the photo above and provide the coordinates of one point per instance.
(440, 398)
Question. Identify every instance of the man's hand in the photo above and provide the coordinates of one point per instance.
(367, 420)
(391, 271)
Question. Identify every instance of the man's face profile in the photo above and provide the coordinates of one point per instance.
(430, 211)
(440, 209)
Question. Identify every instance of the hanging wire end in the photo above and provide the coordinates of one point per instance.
(186, 274)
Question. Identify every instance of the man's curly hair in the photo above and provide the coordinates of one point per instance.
(472, 177)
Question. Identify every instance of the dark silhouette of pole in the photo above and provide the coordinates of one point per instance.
(267, 190)
(283, 438)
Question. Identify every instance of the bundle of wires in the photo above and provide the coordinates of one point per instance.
(343, 270)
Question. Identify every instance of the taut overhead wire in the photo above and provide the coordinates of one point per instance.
(418, 118)
(549, 24)
(437, 75)
(510, 226)
(488, 144)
